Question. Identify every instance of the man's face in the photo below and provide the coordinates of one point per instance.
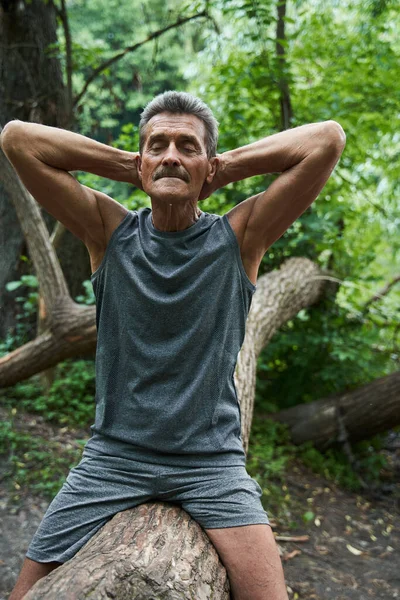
(174, 164)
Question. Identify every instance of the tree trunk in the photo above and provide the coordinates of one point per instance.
(31, 89)
(70, 328)
(155, 550)
(280, 295)
(353, 416)
(283, 70)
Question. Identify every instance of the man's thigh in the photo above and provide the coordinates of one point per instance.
(251, 558)
(94, 491)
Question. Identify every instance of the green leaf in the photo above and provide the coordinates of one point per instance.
(13, 285)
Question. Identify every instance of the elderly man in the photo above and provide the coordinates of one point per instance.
(173, 287)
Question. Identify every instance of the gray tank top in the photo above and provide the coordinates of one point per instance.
(171, 310)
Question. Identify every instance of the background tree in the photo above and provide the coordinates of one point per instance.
(340, 65)
(31, 89)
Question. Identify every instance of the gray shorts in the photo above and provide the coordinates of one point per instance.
(102, 485)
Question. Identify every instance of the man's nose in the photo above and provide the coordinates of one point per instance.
(171, 157)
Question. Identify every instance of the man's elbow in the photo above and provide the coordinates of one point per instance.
(10, 133)
(335, 135)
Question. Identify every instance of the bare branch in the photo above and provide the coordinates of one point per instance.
(385, 290)
(120, 55)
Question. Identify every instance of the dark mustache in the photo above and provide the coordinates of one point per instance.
(166, 172)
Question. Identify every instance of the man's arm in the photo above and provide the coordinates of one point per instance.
(43, 156)
(305, 156)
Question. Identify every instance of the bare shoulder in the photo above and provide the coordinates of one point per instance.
(111, 213)
(238, 218)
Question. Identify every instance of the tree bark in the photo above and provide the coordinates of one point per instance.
(67, 324)
(280, 295)
(155, 550)
(353, 416)
(31, 89)
(283, 70)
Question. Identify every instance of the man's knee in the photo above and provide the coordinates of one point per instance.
(31, 572)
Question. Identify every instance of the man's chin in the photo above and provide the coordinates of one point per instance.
(166, 194)
(168, 186)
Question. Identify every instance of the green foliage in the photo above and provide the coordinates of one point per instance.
(268, 455)
(30, 299)
(26, 313)
(334, 464)
(308, 516)
(118, 94)
(33, 463)
(269, 447)
(88, 296)
(70, 400)
(350, 231)
(324, 350)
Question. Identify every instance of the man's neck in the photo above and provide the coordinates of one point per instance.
(174, 217)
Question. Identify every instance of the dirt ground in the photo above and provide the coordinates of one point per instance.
(349, 551)
(352, 551)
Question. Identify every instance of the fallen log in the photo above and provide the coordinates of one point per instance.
(350, 417)
(155, 550)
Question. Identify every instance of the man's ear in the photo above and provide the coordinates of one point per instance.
(138, 161)
(213, 168)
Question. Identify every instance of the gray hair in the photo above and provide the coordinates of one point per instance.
(181, 103)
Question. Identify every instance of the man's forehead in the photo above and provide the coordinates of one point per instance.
(170, 124)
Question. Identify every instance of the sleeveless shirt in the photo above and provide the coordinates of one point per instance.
(171, 310)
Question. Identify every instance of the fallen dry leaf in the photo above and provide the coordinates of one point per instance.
(353, 550)
(290, 555)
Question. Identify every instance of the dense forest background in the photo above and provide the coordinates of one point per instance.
(340, 64)
(332, 60)
(262, 66)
